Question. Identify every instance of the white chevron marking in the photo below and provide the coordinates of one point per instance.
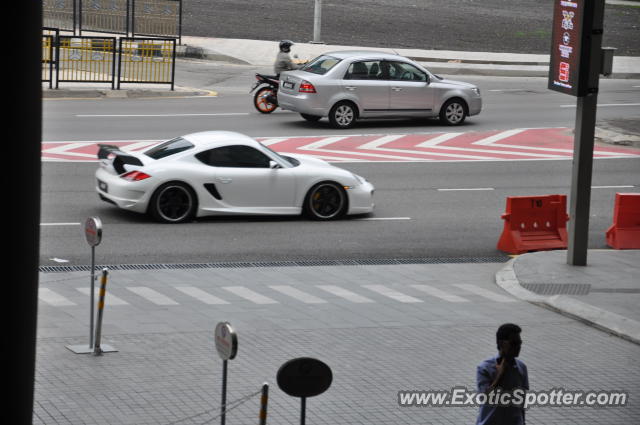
(437, 140)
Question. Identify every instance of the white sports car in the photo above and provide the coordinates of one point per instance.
(222, 173)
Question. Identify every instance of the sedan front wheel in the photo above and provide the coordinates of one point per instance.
(453, 112)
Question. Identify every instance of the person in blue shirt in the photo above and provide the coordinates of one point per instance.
(500, 373)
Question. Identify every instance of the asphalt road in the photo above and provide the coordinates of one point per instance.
(418, 219)
(468, 25)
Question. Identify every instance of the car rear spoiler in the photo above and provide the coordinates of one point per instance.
(120, 158)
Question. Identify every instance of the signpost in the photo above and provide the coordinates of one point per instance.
(227, 346)
(304, 377)
(575, 65)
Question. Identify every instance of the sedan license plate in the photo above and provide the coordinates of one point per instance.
(287, 85)
(103, 186)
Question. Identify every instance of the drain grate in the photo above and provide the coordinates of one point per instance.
(558, 288)
(291, 263)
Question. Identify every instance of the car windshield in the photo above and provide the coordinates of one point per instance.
(171, 147)
(321, 65)
(286, 159)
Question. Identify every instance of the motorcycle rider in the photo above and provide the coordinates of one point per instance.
(283, 60)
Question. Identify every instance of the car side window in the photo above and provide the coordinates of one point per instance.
(236, 156)
(364, 70)
(401, 71)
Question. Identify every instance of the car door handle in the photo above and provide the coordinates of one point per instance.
(396, 88)
(350, 88)
(224, 179)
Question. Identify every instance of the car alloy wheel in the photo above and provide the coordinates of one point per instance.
(261, 102)
(453, 112)
(326, 201)
(173, 203)
(343, 115)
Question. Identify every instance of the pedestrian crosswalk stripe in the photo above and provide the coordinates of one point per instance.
(392, 293)
(344, 293)
(151, 295)
(298, 294)
(435, 292)
(109, 300)
(201, 295)
(493, 296)
(250, 295)
(53, 298)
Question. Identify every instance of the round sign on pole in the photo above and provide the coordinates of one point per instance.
(226, 341)
(93, 231)
(304, 377)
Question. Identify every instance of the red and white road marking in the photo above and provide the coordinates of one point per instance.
(507, 145)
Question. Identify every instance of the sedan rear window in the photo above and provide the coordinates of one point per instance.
(169, 148)
(320, 65)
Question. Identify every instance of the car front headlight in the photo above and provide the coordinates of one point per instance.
(476, 90)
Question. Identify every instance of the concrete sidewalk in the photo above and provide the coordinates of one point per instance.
(262, 53)
(604, 294)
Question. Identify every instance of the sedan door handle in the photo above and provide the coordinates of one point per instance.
(350, 88)
(396, 88)
(224, 179)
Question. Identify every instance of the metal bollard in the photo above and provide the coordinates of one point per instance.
(264, 401)
(103, 291)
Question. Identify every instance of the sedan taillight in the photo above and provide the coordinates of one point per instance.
(135, 176)
(306, 87)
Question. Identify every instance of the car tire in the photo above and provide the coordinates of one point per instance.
(453, 112)
(310, 118)
(173, 202)
(343, 115)
(325, 201)
(261, 103)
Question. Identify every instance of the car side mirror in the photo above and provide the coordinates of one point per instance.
(274, 165)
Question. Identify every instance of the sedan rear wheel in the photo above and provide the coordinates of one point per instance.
(453, 112)
(173, 202)
(326, 201)
(343, 115)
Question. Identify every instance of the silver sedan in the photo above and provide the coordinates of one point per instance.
(348, 85)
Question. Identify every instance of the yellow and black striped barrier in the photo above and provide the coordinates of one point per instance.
(264, 401)
(103, 292)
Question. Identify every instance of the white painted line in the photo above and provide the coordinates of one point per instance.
(322, 142)
(161, 115)
(613, 187)
(392, 293)
(435, 292)
(201, 295)
(344, 293)
(109, 299)
(381, 218)
(605, 104)
(152, 295)
(485, 293)
(53, 298)
(250, 295)
(298, 294)
(59, 224)
(437, 140)
(468, 188)
(380, 141)
(502, 135)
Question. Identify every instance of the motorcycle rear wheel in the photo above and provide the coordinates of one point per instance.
(260, 100)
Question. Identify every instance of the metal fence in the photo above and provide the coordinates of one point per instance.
(111, 16)
(151, 18)
(148, 61)
(84, 59)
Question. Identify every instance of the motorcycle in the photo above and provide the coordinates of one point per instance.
(266, 98)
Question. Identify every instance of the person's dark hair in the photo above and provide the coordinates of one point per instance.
(506, 330)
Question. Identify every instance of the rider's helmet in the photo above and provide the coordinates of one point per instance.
(285, 46)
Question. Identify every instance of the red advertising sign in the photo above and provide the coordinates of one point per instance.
(566, 48)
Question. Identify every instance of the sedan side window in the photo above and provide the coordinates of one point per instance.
(364, 70)
(237, 156)
(401, 71)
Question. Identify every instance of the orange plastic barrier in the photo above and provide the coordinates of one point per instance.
(624, 233)
(534, 223)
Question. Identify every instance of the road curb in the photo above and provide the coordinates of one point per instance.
(612, 323)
